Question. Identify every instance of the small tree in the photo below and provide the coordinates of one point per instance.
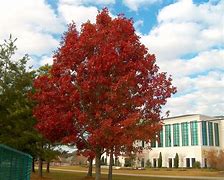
(176, 161)
(127, 162)
(196, 165)
(148, 164)
(160, 160)
(215, 159)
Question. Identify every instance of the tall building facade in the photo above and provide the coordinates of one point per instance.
(190, 136)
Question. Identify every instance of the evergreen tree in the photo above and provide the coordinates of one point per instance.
(160, 160)
(16, 120)
(176, 161)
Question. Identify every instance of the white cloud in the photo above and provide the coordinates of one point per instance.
(100, 2)
(46, 60)
(138, 24)
(204, 61)
(134, 5)
(87, 2)
(80, 11)
(185, 28)
(77, 13)
(206, 98)
(32, 22)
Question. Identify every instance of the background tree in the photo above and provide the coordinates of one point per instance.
(176, 161)
(16, 120)
(50, 154)
(104, 88)
(215, 159)
(16, 117)
(160, 160)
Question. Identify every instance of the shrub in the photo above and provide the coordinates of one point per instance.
(196, 164)
(176, 161)
(148, 164)
(160, 160)
(127, 162)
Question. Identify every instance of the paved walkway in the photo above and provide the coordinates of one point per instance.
(147, 175)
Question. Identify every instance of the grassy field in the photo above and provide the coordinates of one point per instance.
(55, 175)
(153, 171)
(60, 175)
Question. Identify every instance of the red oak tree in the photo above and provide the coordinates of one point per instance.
(103, 88)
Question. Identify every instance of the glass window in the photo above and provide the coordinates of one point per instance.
(204, 133)
(143, 144)
(194, 133)
(160, 142)
(176, 135)
(216, 127)
(192, 161)
(153, 143)
(168, 135)
(210, 133)
(184, 129)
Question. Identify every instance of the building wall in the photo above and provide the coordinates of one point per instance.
(191, 152)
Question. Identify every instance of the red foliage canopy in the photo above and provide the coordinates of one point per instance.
(104, 88)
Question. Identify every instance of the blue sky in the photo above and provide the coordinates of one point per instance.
(186, 36)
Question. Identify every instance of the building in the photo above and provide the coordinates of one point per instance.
(189, 136)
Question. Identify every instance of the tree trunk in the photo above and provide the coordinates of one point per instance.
(90, 170)
(110, 166)
(48, 167)
(40, 167)
(33, 165)
(98, 165)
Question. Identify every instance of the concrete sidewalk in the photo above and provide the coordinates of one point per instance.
(147, 175)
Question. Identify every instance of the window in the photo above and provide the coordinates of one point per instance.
(188, 162)
(168, 135)
(204, 133)
(216, 127)
(154, 162)
(193, 160)
(184, 129)
(160, 142)
(170, 162)
(176, 135)
(210, 133)
(194, 133)
(153, 143)
(143, 144)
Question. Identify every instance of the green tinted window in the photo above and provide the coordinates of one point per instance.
(216, 126)
(194, 133)
(160, 142)
(210, 133)
(167, 135)
(176, 135)
(204, 133)
(184, 129)
(153, 143)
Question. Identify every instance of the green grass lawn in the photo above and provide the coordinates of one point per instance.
(152, 171)
(56, 175)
